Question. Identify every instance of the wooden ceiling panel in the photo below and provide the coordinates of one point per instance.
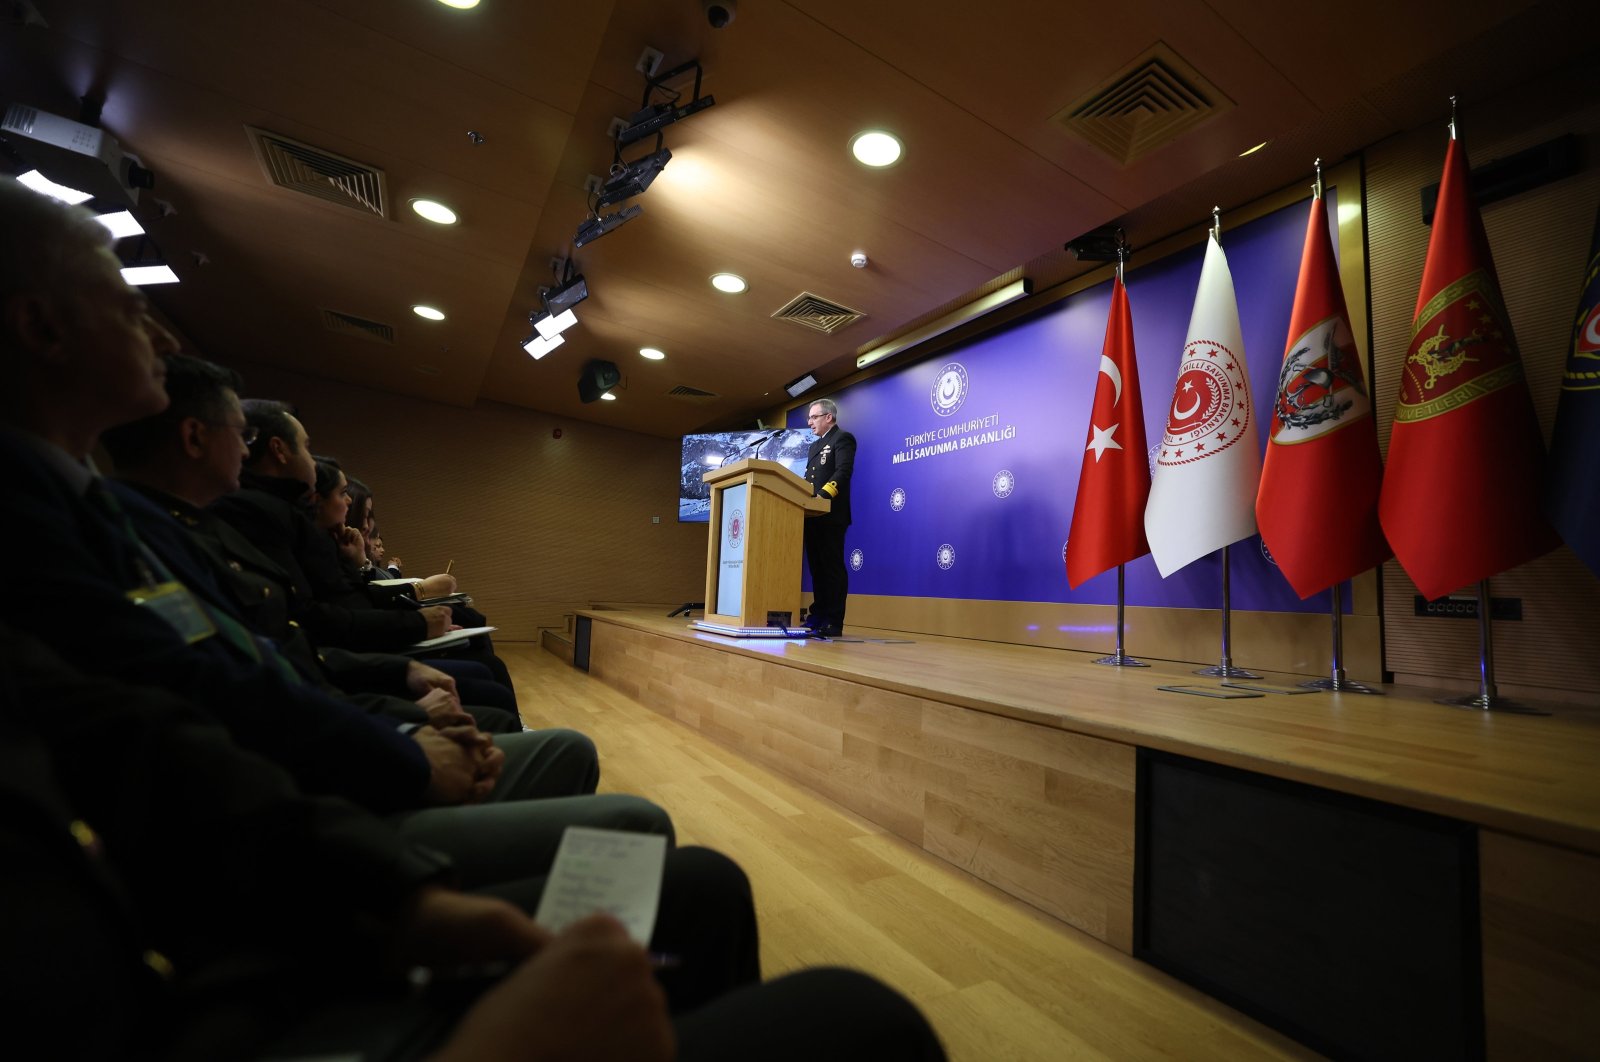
(760, 184)
(334, 78)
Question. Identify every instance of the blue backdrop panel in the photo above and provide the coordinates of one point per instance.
(968, 462)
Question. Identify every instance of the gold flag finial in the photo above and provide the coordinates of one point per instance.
(1216, 223)
(1122, 250)
(1316, 188)
(1452, 117)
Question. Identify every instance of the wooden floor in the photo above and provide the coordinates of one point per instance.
(998, 979)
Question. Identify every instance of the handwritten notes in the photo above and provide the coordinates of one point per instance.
(606, 871)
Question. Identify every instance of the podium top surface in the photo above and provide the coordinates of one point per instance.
(770, 474)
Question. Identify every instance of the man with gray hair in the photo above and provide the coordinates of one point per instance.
(829, 464)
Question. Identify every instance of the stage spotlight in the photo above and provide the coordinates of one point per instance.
(566, 295)
(632, 178)
(595, 227)
(550, 325)
(796, 388)
(650, 119)
(598, 378)
(539, 346)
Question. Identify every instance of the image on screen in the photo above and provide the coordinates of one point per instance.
(702, 453)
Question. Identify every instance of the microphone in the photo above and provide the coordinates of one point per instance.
(758, 444)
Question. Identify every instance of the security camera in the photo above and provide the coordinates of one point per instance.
(720, 12)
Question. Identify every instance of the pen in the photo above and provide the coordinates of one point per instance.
(447, 566)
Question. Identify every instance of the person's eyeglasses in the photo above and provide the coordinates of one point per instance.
(248, 432)
(815, 416)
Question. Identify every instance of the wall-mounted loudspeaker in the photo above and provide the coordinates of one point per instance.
(598, 378)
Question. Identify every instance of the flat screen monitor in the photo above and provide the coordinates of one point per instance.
(702, 453)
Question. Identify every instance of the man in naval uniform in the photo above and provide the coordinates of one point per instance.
(828, 467)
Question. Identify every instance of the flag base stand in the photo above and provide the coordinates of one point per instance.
(1491, 702)
(1119, 658)
(1336, 682)
(1227, 670)
(1487, 699)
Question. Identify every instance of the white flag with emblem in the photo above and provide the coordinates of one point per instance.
(1207, 468)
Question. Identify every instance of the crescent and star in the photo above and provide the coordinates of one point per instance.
(1103, 438)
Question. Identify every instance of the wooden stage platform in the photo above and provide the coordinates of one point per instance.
(1021, 765)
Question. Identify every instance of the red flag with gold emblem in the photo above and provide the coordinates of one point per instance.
(1317, 506)
(1460, 497)
(1108, 516)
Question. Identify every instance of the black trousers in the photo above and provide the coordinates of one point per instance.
(830, 579)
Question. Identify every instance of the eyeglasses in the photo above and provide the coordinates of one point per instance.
(817, 416)
(248, 432)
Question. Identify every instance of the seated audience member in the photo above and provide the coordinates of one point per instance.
(190, 454)
(79, 353)
(199, 898)
(381, 566)
(269, 510)
(207, 910)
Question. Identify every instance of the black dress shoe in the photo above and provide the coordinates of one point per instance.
(830, 630)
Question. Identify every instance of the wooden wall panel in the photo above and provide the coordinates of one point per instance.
(1042, 813)
(1541, 949)
(1540, 241)
(536, 526)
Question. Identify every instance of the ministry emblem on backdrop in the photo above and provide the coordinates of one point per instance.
(949, 389)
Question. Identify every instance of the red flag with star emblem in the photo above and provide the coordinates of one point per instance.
(1460, 497)
(1317, 506)
(1203, 492)
(1108, 517)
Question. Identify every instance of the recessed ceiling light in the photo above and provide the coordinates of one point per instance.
(1252, 151)
(459, 4)
(428, 312)
(732, 283)
(876, 148)
(434, 211)
(608, 397)
(651, 353)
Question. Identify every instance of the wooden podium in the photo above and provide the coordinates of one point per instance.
(758, 511)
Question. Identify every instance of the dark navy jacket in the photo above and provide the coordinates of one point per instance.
(72, 566)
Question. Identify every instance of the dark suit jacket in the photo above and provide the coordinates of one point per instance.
(266, 513)
(261, 592)
(829, 464)
(72, 568)
(173, 883)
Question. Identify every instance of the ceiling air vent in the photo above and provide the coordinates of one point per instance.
(815, 312)
(693, 394)
(312, 171)
(1150, 102)
(348, 324)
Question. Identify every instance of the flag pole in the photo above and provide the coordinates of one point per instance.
(1119, 658)
(1336, 680)
(1488, 698)
(1225, 668)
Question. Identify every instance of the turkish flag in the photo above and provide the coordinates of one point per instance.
(1460, 497)
(1108, 517)
(1203, 492)
(1317, 506)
